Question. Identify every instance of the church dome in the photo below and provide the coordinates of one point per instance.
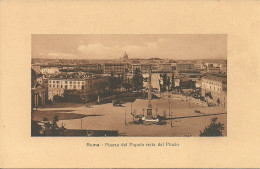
(125, 56)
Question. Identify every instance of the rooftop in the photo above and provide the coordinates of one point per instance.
(77, 79)
(215, 78)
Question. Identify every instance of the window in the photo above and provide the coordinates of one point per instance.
(74, 82)
(61, 86)
(58, 81)
(53, 81)
(66, 86)
(70, 82)
(50, 85)
(82, 87)
(74, 86)
(66, 82)
(78, 82)
(53, 86)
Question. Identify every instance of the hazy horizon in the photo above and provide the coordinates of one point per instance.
(137, 46)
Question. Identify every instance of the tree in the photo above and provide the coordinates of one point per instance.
(52, 129)
(164, 81)
(102, 87)
(214, 129)
(112, 83)
(127, 86)
(35, 128)
(137, 80)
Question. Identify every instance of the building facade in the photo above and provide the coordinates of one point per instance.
(165, 67)
(57, 86)
(91, 67)
(223, 69)
(84, 86)
(38, 97)
(215, 88)
(49, 70)
(116, 68)
(185, 67)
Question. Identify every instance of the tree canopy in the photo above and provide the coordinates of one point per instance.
(214, 129)
(137, 80)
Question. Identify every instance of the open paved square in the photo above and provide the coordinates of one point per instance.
(185, 121)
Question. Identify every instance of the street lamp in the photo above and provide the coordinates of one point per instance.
(131, 108)
(125, 118)
(81, 123)
(171, 121)
(169, 105)
(133, 114)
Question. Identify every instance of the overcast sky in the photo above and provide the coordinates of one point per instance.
(136, 46)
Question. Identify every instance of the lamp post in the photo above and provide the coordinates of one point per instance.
(133, 114)
(169, 105)
(81, 124)
(171, 121)
(125, 118)
(189, 102)
(131, 108)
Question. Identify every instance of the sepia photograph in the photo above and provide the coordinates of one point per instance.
(129, 85)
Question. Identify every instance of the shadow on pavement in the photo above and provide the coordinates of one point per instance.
(187, 117)
(40, 115)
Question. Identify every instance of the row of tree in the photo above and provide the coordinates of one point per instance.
(120, 81)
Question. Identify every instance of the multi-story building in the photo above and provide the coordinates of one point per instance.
(49, 70)
(38, 92)
(213, 70)
(36, 68)
(91, 67)
(185, 67)
(136, 66)
(215, 88)
(198, 66)
(174, 65)
(223, 69)
(85, 86)
(38, 97)
(144, 68)
(165, 67)
(56, 86)
(116, 68)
